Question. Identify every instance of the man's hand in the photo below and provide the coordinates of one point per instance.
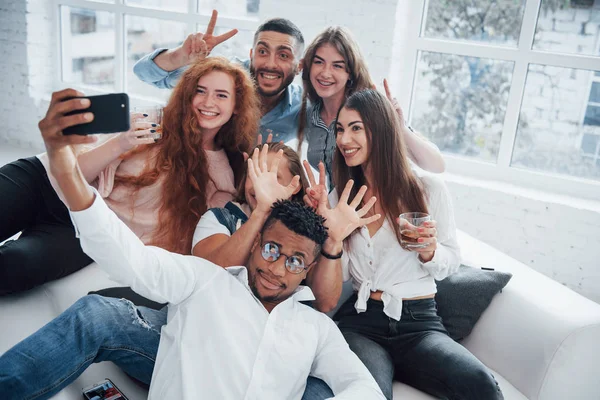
(63, 162)
(266, 187)
(344, 218)
(55, 121)
(198, 46)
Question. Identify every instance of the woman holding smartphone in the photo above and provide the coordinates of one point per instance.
(390, 321)
(158, 188)
(333, 68)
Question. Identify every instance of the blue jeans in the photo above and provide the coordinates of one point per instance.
(415, 350)
(94, 329)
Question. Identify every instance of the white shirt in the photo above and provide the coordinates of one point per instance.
(219, 341)
(380, 263)
(209, 225)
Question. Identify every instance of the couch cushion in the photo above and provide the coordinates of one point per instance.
(462, 297)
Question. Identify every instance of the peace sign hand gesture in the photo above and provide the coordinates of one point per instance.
(198, 46)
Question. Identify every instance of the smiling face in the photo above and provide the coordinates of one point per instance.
(328, 72)
(274, 62)
(214, 102)
(270, 282)
(284, 177)
(352, 138)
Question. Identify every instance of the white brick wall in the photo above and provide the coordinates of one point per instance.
(27, 67)
(558, 240)
(561, 241)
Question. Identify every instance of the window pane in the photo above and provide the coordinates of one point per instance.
(238, 46)
(589, 144)
(145, 35)
(236, 8)
(497, 22)
(549, 135)
(595, 93)
(568, 27)
(88, 47)
(171, 5)
(592, 116)
(459, 103)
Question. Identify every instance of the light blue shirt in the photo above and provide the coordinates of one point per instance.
(281, 121)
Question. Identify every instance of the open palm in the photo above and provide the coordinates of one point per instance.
(264, 178)
(344, 218)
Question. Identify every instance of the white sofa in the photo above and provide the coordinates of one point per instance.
(540, 339)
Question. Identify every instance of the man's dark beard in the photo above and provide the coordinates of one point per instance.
(287, 82)
(252, 284)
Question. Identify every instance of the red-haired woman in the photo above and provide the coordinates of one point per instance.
(159, 189)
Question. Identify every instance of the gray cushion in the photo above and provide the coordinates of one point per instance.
(462, 297)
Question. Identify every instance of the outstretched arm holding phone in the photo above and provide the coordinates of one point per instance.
(152, 272)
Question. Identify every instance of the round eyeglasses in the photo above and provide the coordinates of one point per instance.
(294, 264)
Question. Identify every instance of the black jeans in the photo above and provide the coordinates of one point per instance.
(47, 248)
(415, 350)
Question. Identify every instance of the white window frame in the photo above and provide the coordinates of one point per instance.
(120, 9)
(411, 15)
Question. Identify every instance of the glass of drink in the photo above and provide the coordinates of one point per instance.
(409, 233)
(155, 114)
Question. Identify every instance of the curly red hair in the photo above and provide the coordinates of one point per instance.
(181, 159)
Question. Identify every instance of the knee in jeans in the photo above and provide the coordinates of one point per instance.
(481, 385)
(13, 272)
(137, 317)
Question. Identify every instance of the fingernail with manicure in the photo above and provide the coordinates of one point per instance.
(145, 115)
(154, 125)
(152, 131)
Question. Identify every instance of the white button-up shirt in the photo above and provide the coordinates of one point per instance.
(380, 263)
(219, 341)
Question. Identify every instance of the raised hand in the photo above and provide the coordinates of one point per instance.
(198, 46)
(56, 120)
(344, 218)
(264, 179)
(141, 132)
(394, 102)
(316, 190)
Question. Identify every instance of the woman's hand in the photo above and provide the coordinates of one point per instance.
(266, 187)
(315, 191)
(427, 235)
(344, 218)
(140, 132)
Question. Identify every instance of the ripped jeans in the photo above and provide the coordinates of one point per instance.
(92, 330)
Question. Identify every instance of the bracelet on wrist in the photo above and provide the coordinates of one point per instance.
(332, 256)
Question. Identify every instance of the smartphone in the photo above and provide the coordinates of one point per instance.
(105, 390)
(111, 114)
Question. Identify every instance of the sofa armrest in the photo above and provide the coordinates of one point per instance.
(541, 336)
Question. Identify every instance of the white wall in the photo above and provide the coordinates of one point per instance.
(554, 236)
(27, 51)
(557, 236)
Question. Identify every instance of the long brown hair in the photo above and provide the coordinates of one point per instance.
(397, 189)
(294, 164)
(181, 159)
(341, 39)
